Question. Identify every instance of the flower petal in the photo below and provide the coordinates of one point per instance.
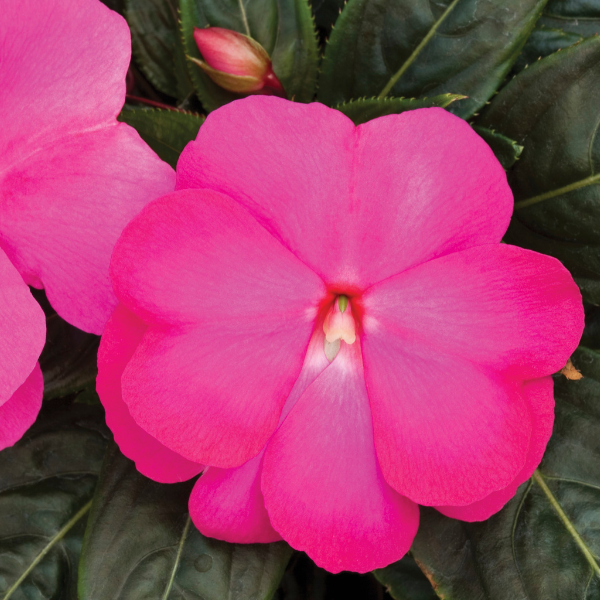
(446, 431)
(350, 202)
(540, 398)
(121, 337)
(323, 488)
(22, 330)
(230, 315)
(227, 504)
(64, 208)
(20, 411)
(77, 52)
(510, 309)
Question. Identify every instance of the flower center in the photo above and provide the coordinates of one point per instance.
(339, 325)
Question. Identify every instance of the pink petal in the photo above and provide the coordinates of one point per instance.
(227, 504)
(76, 52)
(357, 205)
(446, 431)
(323, 489)
(122, 335)
(22, 330)
(20, 411)
(64, 209)
(510, 309)
(70, 176)
(539, 395)
(231, 312)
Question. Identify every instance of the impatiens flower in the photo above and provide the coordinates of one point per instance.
(236, 62)
(71, 176)
(325, 316)
(22, 336)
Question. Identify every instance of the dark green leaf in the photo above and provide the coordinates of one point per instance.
(167, 132)
(416, 47)
(46, 484)
(404, 580)
(117, 5)
(68, 360)
(157, 47)
(361, 111)
(140, 543)
(552, 109)
(545, 543)
(507, 151)
(285, 29)
(581, 17)
(544, 41)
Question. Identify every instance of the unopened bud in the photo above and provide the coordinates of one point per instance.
(236, 62)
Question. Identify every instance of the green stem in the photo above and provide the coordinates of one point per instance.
(177, 558)
(537, 477)
(563, 190)
(244, 17)
(409, 61)
(61, 534)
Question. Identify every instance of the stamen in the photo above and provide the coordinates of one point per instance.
(339, 323)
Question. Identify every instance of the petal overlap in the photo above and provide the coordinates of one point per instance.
(230, 312)
(351, 202)
(323, 488)
(120, 339)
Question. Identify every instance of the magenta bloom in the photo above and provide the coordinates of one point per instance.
(325, 316)
(71, 176)
(22, 336)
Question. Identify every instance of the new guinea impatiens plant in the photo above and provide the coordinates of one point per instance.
(323, 318)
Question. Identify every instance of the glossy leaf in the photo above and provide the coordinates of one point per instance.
(284, 28)
(140, 543)
(415, 48)
(581, 17)
(167, 132)
(361, 111)
(156, 45)
(507, 151)
(404, 580)
(544, 41)
(68, 360)
(545, 543)
(552, 109)
(46, 484)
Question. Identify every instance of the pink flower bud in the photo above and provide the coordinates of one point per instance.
(236, 62)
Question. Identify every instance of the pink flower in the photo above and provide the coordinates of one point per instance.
(22, 336)
(236, 62)
(324, 314)
(71, 176)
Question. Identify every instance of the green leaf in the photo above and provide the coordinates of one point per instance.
(141, 544)
(552, 109)
(46, 484)
(404, 580)
(544, 41)
(156, 45)
(545, 543)
(416, 47)
(581, 17)
(69, 358)
(167, 132)
(284, 28)
(507, 151)
(361, 111)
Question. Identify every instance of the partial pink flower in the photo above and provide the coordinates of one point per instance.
(22, 337)
(324, 315)
(71, 176)
(236, 62)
